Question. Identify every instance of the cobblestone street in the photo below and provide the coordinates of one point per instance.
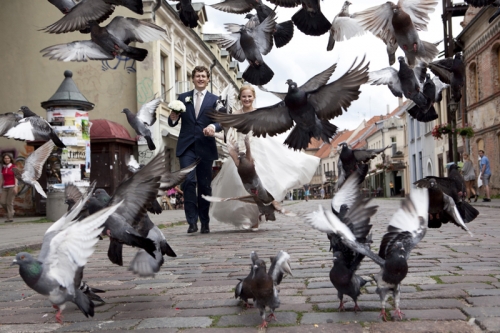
(453, 284)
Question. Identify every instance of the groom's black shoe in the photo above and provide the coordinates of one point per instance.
(204, 229)
(193, 228)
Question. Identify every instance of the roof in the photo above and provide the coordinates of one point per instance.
(68, 94)
(324, 151)
(103, 129)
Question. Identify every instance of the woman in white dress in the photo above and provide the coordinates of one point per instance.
(279, 168)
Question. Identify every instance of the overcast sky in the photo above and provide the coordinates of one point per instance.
(306, 56)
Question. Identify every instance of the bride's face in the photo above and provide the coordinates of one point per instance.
(247, 98)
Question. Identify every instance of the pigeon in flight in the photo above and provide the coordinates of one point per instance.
(432, 91)
(29, 128)
(250, 44)
(79, 13)
(283, 32)
(484, 3)
(109, 41)
(145, 118)
(452, 72)
(343, 27)
(66, 247)
(263, 284)
(399, 23)
(309, 19)
(406, 229)
(187, 14)
(406, 81)
(33, 167)
(310, 106)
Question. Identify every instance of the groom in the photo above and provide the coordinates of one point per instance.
(196, 142)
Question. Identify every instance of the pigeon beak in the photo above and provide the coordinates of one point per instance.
(287, 268)
(253, 270)
(14, 262)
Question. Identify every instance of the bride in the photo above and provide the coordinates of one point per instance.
(279, 168)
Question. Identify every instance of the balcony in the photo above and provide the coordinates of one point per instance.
(182, 87)
(397, 152)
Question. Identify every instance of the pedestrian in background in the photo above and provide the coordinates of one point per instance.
(469, 177)
(9, 186)
(306, 192)
(484, 166)
(391, 185)
(322, 193)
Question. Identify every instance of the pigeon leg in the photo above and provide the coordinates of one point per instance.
(271, 317)
(405, 47)
(248, 305)
(430, 217)
(383, 314)
(397, 299)
(383, 298)
(263, 325)
(341, 306)
(58, 314)
(356, 307)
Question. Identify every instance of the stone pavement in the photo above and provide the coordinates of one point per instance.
(453, 284)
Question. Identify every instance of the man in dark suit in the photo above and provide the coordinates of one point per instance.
(196, 142)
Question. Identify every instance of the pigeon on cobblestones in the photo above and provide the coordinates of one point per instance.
(406, 229)
(242, 290)
(263, 284)
(58, 270)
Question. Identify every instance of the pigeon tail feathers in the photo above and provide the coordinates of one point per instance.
(188, 16)
(418, 114)
(84, 303)
(115, 250)
(430, 52)
(311, 23)
(53, 136)
(151, 144)
(328, 130)
(283, 34)
(39, 189)
(91, 292)
(135, 53)
(469, 212)
(258, 75)
(298, 139)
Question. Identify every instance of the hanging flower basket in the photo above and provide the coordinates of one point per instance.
(380, 166)
(439, 130)
(466, 131)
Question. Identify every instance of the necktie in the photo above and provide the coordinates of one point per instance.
(198, 103)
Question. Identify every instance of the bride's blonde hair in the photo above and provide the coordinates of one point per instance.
(246, 87)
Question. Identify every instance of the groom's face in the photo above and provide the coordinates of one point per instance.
(200, 80)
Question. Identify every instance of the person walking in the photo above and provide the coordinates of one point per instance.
(469, 175)
(322, 192)
(484, 166)
(9, 186)
(306, 192)
(391, 185)
(196, 142)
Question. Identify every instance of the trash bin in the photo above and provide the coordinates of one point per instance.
(56, 207)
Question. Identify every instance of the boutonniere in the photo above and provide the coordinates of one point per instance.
(188, 99)
(177, 106)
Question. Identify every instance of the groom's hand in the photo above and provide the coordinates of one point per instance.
(174, 116)
(209, 130)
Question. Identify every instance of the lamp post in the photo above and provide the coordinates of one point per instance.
(454, 145)
(383, 177)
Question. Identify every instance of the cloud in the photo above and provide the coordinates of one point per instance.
(306, 56)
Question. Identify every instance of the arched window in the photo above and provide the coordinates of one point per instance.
(472, 85)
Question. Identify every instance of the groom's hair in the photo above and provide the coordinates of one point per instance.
(200, 69)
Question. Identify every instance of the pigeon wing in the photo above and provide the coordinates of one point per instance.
(130, 29)
(479, 3)
(330, 100)
(378, 20)
(442, 69)
(235, 6)
(348, 193)
(79, 16)
(171, 179)
(269, 120)
(246, 198)
(231, 42)
(82, 50)
(147, 113)
(72, 193)
(7, 121)
(277, 94)
(35, 161)
(286, 3)
(418, 11)
(263, 34)
(318, 80)
(279, 266)
(387, 76)
(345, 27)
(440, 86)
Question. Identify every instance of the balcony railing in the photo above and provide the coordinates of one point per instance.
(397, 152)
(182, 87)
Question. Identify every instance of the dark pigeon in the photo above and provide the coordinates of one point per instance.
(109, 41)
(484, 3)
(400, 24)
(66, 247)
(283, 31)
(242, 290)
(250, 44)
(30, 128)
(310, 106)
(79, 13)
(433, 94)
(343, 27)
(145, 118)
(452, 72)
(406, 229)
(263, 284)
(187, 14)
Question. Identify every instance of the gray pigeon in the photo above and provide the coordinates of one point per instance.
(452, 72)
(66, 247)
(242, 290)
(263, 284)
(33, 167)
(250, 44)
(343, 27)
(432, 93)
(7, 121)
(79, 13)
(145, 118)
(310, 106)
(283, 32)
(398, 23)
(30, 128)
(109, 41)
(406, 229)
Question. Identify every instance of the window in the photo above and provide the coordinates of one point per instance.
(394, 146)
(164, 78)
(412, 127)
(473, 85)
(440, 165)
(420, 165)
(417, 124)
(414, 163)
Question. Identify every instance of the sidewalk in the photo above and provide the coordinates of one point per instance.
(453, 283)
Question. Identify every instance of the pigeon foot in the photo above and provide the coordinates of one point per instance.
(383, 314)
(248, 306)
(398, 313)
(356, 307)
(263, 325)
(341, 306)
(271, 317)
(58, 314)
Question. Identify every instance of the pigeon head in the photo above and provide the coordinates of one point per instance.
(400, 249)
(259, 267)
(401, 60)
(126, 111)
(22, 258)
(458, 56)
(291, 84)
(337, 256)
(433, 183)
(249, 16)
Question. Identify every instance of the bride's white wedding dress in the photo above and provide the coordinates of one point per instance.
(279, 168)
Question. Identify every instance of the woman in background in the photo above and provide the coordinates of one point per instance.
(469, 177)
(9, 186)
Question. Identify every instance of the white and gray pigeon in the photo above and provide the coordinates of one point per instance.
(29, 128)
(399, 24)
(145, 118)
(109, 41)
(343, 27)
(33, 167)
(406, 229)
(250, 44)
(66, 247)
(432, 91)
(8, 120)
(79, 13)
(263, 284)
(283, 32)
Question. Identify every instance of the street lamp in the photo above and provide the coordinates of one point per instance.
(453, 113)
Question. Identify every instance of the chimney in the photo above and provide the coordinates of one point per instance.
(388, 109)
